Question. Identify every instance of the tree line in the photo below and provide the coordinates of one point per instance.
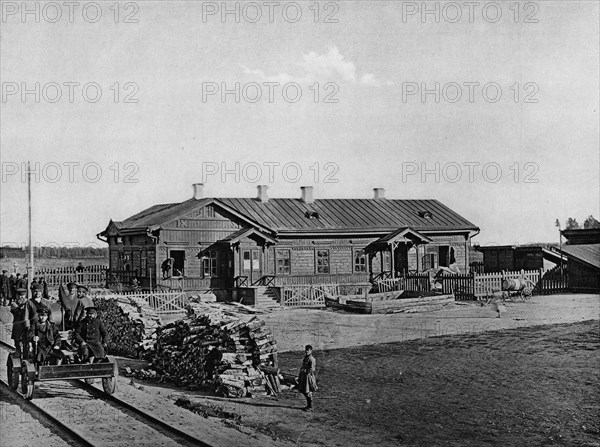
(572, 224)
(54, 252)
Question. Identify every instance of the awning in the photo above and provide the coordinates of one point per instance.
(235, 238)
(404, 235)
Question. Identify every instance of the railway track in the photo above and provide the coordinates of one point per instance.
(84, 415)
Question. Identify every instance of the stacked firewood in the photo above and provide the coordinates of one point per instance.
(131, 324)
(184, 352)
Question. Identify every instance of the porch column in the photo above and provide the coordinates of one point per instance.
(418, 263)
(392, 259)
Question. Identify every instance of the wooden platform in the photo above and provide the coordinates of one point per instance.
(390, 302)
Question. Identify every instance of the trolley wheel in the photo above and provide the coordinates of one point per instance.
(110, 383)
(27, 385)
(12, 375)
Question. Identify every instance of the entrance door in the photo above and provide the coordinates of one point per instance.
(178, 262)
(251, 264)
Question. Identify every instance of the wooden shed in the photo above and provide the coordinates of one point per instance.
(583, 266)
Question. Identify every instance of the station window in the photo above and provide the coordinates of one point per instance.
(322, 261)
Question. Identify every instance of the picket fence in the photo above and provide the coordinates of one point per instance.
(476, 285)
(92, 276)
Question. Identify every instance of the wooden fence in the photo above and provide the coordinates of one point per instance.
(554, 280)
(476, 285)
(161, 302)
(92, 276)
(309, 295)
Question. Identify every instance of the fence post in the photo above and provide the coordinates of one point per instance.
(541, 282)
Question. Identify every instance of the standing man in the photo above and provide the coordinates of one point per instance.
(45, 336)
(69, 301)
(91, 337)
(20, 322)
(84, 302)
(35, 304)
(5, 295)
(307, 382)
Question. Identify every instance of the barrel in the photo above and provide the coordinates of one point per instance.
(513, 284)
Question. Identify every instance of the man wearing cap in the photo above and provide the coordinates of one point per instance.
(91, 337)
(36, 303)
(45, 337)
(20, 322)
(82, 304)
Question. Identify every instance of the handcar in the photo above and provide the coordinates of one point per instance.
(27, 371)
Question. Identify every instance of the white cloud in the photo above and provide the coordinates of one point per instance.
(326, 67)
(329, 64)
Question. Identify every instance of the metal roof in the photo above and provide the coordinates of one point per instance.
(587, 253)
(334, 215)
(289, 215)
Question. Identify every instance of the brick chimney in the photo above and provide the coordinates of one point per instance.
(262, 193)
(198, 190)
(307, 194)
(378, 193)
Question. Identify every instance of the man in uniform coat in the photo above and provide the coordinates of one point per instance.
(307, 383)
(35, 304)
(45, 335)
(91, 337)
(20, 322)
(84, 302)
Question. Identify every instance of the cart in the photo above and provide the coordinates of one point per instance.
(28, 372)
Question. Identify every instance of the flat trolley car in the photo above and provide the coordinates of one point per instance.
(27, 372)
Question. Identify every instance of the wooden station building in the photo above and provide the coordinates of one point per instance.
(226, 243)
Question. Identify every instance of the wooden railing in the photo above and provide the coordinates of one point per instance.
(240, 281)
(266, 280)
(476, 267)
(119, 278)
(340, 278)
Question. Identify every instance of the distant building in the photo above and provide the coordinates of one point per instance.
(223, 243)
(583, 266)
(582, 236)
(510, 258)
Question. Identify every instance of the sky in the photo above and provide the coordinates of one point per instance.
(490, 108)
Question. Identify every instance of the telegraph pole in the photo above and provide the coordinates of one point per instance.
(30, 267)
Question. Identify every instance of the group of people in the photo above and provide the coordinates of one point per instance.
(9, 283)
(36, 336)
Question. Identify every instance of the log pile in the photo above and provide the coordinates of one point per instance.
(130, 323)
(184, 351)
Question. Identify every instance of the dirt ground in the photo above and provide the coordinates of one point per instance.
(455, 377)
